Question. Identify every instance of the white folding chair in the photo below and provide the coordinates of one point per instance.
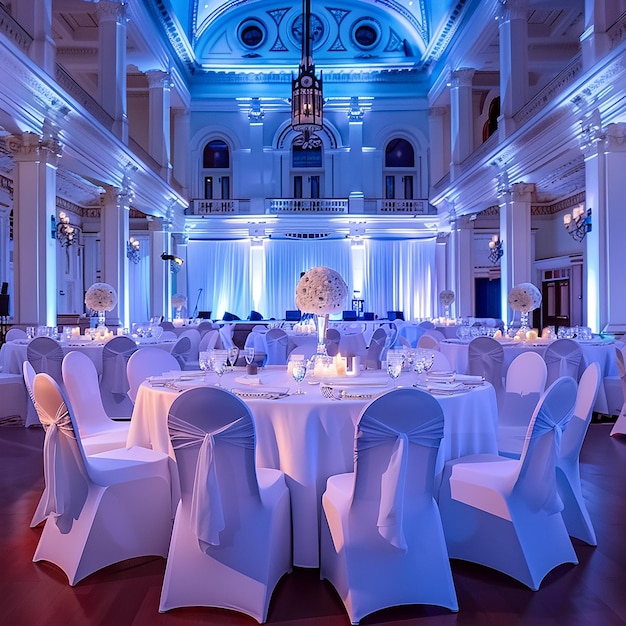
(99, 509)
(506, 513)
(485, 357)
(231, 541)
(562, 357)
(148, 361)
(619, 428)
(525, 383)
(276, 346)
(97, 430)
(575, 512)
(383, 543)
(114, 381)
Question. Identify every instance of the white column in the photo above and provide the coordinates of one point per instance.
(34, 211)
(355, 142)
(35, 16)
(114, 233)
(594, 41)
(112, 64)
(515, 233)
(461, 117)
(180, 149)
(159, 84)
(160, 275)
(605, 160)
(513, 63)
(438, 159)
(462, 270)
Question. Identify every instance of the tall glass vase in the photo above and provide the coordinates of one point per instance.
(524, 321)
(101, 319)
(322, 325)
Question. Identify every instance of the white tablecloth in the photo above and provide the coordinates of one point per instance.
(311, 438)
(601, 352)
(13, 353)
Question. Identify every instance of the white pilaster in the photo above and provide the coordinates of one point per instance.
(159, 84)
(462, 270)
(160, 275)
(112, 64)
(513, 63)
(355, 141)
(114, 220)
(461, 117)
(34, 210)
(515, 233)
(594, 41)
(35, 16)
(436, 121)
(180, 149)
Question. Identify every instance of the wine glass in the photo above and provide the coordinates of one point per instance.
(394, 366)
(233, 355)
(218, 363)
(298, 371)
(204, 360)
(248, 353)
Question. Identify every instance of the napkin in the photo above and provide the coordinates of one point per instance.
(442, 386)
(362, 393)
(249, 380)
(470, 380)
(267, 393)
(360, 381)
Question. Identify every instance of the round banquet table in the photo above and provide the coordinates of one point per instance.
(13, 353)
(603, 352)
(310, 437)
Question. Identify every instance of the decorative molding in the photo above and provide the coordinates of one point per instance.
(616, 137)
(13, 31)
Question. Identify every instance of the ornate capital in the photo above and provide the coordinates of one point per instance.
(157, 79)
(109, 11)
(591, 131)
(462, 77)
(513, 10)
(355, 114)
(256, 113)
(522, 192)
(32, 147)
(616, 137)
(121, 198)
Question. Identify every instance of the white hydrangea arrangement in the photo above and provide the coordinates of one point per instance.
(179, 300)
(101, 297)
(524, 297)
(446, 297)
(321, 291)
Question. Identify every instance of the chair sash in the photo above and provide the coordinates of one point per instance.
(564, 364)
(543, 493)
(207, 513)
(47, 360)
(372, 359)
(276, 348)
(57, 496)
(488, 364)
(114, 363)
(373, 433)
(181, 350)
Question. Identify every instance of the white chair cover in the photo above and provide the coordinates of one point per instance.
(562, 357)
(506, 513)
(485, 357)
(15, 333)
(146, 362)
(440, 362)
(240, 519)
(32, 418)
(332, 340)
(276, 342)
(205, 327)
(575, 514)
(374, 548)
(375, 350)
(46, 355)
(126, 491)
(114, 382)
(428, 342)
(525, 383)
(191, 357)
(181, 351)
(209, 340)
(97, 430)
(619, 428)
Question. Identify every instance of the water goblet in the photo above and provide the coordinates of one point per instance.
(248, 353)
(394, 366)
(428, 359)
(204, 360)
(298, 372)
(233, 355)
(218, 363)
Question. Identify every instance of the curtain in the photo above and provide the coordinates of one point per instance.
(139, 283)
(400, 276)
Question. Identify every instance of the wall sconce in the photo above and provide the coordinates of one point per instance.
(578, 223)
(66, 232)
(132, 250)
(496, 249)
(175, 262)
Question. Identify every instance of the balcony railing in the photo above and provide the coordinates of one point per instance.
(310, 206)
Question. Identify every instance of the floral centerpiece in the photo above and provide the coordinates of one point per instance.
(321, 291)
(101, 297)
(524, 297)
(178, 302)
(446, 297)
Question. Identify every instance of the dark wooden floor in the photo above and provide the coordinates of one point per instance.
(592, 593)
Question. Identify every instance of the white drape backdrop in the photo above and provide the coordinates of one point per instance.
(139, 283)
(237, 277)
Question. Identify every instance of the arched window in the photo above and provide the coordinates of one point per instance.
(401, 177)
(216, 170)
(216, 154)
(491, 125)
(399, 153)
